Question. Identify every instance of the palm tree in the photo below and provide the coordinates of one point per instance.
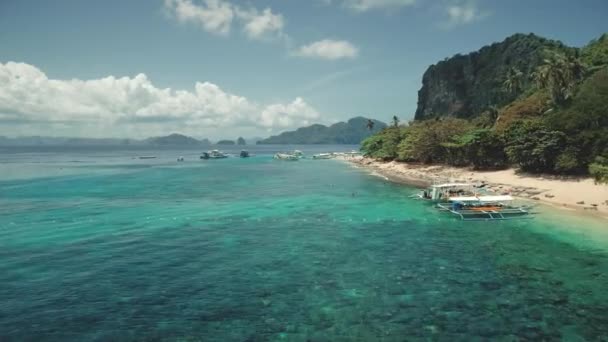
(395, 121)
(513, 83)
(559, 75)
(493, 113)
(370, 124)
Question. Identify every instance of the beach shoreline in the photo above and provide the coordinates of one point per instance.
(578, 195)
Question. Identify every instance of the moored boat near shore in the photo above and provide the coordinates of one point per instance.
(285, 156)
(443, 191)
(471, 208)
(323, 156)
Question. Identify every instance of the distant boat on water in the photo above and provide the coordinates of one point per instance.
(286, 156)
(295, 155)
(147, 157)
(214, 154)
(244, 154)
(323, 156)
(299, 154)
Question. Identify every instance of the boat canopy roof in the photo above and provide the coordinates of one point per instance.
(451, 185)
(481, 199)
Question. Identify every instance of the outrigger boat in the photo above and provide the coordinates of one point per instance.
(295, 155)
(471, 208)
(214, 154)
(323, 156)
(441, 192)
(286, 156)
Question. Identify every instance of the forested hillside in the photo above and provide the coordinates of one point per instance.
(543, 109)
(351, 132)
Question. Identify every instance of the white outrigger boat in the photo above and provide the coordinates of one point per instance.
(441, 192)
(214, 154)
(286, 156)
(475, 208)
(295, 155)
(323, 156)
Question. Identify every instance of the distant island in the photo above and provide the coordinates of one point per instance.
(351, 132)
(169, 140)
(527, 102)
(176, 140)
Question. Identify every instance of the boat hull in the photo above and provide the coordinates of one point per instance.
(486, 213)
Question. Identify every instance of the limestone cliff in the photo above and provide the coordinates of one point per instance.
(467, 85)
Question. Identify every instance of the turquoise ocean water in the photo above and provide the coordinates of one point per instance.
(98, 246)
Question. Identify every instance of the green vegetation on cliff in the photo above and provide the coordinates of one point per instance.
(351, 132)
(526, 102)
(467, 85)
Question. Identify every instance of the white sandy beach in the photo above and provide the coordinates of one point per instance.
(581, 194)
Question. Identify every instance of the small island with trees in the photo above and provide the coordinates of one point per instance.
(527, 102)
(527, 116)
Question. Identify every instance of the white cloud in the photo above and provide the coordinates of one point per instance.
(328, 49)
(297, 113)
(27, 94)
(463, 13)
(218, 16)
(366, 5)
(259, 25)
(213, 15)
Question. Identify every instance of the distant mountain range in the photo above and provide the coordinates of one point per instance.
(351, 132)
(66, 141)
(169, 140)
(176, 140)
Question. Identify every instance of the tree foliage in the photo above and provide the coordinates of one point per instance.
(529, 107)
(533, 147)
(585, 120)
(483, 149)
(559, 75)
(595, 54)
(559, 126)
(426, 141)
(599, 170)
(514, 81)
(383, 145)
(395, 121)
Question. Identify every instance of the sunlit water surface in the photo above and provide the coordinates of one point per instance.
(98, 246)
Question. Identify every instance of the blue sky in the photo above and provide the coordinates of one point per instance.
(218, 68)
